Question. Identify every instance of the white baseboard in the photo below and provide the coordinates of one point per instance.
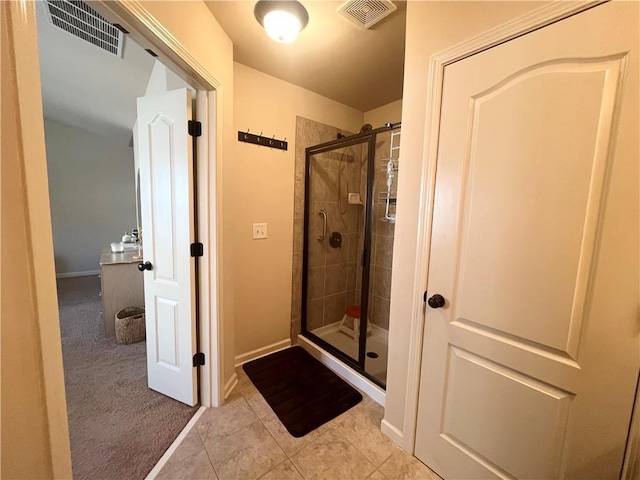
(230, 385)
(344, 371)
(261, 352)
(393, 433)
(174, 446)
(88, 273)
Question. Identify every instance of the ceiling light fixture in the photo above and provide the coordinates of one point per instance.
(282, 19)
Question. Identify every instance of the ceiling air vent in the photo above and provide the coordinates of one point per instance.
(79, 19)
(366, 13)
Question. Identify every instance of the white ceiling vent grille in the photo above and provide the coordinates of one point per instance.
(366, 13)
(79, 19)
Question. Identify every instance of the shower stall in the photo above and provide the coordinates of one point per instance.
(349, 219)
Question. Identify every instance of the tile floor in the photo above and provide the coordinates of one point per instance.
(244, 439)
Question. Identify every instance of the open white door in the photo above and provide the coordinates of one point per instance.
(166, 183)
(531, 353)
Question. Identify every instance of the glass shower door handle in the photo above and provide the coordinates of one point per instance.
(323, 214)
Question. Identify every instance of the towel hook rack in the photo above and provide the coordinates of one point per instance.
(272, 142)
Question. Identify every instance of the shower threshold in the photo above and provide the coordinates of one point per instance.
(377, 347)
(355, 378)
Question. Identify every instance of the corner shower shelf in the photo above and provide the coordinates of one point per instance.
(384, 197)
(390, 166)
(384, 163)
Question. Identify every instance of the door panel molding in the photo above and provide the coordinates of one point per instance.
(161, 136)
(534, 20)
(611, 68)
(515, 341)
(469, 374)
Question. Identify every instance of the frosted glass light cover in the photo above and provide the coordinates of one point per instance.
(281, 26)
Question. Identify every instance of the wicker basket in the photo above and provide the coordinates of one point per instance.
(130, 325)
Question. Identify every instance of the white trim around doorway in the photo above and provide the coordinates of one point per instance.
(146, 30)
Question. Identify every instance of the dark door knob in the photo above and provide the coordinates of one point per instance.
(436, 301)
(144, 266)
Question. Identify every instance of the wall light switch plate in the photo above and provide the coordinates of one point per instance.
(259, 230)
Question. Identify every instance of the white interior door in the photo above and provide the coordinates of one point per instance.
(530, 368)
(166, 180)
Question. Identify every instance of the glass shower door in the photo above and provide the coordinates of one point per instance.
(350, 199)
(333, 270)
(385, 188)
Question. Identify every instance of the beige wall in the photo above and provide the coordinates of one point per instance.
(431, 28)
(389, 113)
(92, 194)
(263, 192)
(34, 433)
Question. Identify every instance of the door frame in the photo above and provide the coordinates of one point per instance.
(149, 33)
(527, 23)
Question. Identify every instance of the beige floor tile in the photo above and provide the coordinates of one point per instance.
(243, 380)
(245, 439)
(234, 415)
(246, 454)
(377, 475)
(288, 442)
(251, 394)
(195, 467)
(402, 466)
(191, 445)
(284, 471)
(330, 457)
(257, 402)
(375, 409)
(362, 429)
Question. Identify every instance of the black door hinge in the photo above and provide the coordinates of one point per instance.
(198, 359)
(197, 249)
(195, 128)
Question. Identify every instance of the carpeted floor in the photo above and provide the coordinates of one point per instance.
(119, 428)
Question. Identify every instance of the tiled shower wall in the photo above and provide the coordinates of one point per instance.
(383, 235)
(331, 274)
(328, 266)
(334, 276)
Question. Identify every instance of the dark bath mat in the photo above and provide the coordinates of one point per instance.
(302, 392)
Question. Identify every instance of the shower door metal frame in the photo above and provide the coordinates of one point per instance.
(368, 138)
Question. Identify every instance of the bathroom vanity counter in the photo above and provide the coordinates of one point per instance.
(122, 285)
(109, 258)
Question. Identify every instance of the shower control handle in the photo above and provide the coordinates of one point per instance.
(436, 301)
(323, 214)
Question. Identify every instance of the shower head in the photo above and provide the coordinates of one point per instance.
(366, 128)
